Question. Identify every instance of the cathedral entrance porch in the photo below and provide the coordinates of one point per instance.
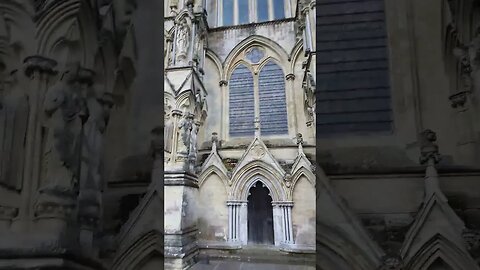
(259, 218)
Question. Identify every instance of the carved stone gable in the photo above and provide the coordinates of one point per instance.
(258, 151)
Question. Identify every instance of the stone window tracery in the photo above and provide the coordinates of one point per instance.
(236, 12)
(259, 95)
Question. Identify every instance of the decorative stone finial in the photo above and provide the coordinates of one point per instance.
(299, 139)
(428, 147)
(257, 127)
(430, 156)
(214, 141)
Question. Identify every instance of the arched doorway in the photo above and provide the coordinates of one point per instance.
(260, 215)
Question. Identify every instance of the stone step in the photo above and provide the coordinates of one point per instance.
(257, 255)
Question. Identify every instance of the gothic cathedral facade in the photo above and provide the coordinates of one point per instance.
(340, 133)
(239, 128)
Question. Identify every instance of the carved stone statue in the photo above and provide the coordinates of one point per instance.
(192, 155)
(95, 127)
(90, 200)
(62, 108)
(123, 14)
(182, 41)
(462, 54)
(184, 133)
(168, 132)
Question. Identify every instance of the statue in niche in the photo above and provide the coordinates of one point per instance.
(462, 54)
(94, 130)
(123, 11)
(184, 133)
(168, 134)
(192, 156)
(63, 109)
(182, 41)
(14, 110)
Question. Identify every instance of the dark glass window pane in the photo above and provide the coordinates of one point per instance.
(262, 10)
(241, 102)
(353, 86)
(243, 11)
(228, 12)
(273, 106)
(279, 9)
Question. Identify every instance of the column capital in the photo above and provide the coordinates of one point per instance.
(39, 63)
(176, 112)
(459, 99)
(236, 202)
(223, 83)
(282, 203)
(85, 76)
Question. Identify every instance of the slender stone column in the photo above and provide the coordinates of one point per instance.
(39, 69)
(224, 127)
(278, 227)
(289, 224)
(229, 236)
(236, 220)
(243, 230)
(292, 107)
(285, 218)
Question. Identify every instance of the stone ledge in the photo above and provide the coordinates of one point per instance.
(180, 179)
(218, 245)
(298, 249)
(30, 247)
(43, 263)
(257, 255)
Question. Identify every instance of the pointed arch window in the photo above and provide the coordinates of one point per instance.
(241, 102)
(261, 96)
(273, 107)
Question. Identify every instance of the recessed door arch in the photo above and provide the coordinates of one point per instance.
(260, 215)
